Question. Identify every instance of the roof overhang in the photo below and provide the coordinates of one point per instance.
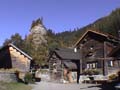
(86, 33)
(105, 36)
(70, 65)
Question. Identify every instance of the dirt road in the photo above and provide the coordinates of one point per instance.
(59, 86)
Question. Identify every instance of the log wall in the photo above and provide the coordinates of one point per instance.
(19, 61)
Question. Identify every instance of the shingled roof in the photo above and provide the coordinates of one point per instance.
(67, 54)
(16, 49)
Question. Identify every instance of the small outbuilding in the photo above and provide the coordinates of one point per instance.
(63, 63)
(13, 57)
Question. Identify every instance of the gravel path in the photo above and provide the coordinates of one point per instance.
(58, 86)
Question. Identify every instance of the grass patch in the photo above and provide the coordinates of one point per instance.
(14, 86)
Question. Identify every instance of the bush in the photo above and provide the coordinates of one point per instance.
(28, 78)
(113, 77)
(91, 72)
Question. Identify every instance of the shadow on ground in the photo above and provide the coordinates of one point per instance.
(105, 86)
(109, 85)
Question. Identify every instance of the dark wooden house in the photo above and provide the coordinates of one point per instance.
(13, 57)
(61, 60)
(115, 62)
(94, 48)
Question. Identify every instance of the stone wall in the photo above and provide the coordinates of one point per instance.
(8, 77)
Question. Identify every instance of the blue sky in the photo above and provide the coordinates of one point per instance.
(16, 16)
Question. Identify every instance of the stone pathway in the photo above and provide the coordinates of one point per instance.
(58, 86)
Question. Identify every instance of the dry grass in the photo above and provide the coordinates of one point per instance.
(14, 86)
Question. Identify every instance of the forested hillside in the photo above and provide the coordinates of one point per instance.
(109, 24)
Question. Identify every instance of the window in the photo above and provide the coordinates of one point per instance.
(110, 63)
(91, 65)
(88, 66)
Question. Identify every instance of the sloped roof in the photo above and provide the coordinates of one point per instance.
(17, 50)
(70, 65)
(67, 54)
(115, 51)
(95, 34)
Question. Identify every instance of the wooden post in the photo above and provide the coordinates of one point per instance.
(81, 59)
(79, 71)
(105, 65)
(62, 70)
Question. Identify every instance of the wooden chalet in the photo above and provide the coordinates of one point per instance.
(94, 48)
(63, 61)
(115, 54)
(13, 57)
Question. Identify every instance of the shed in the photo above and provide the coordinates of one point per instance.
(60, 59)
(13, 57)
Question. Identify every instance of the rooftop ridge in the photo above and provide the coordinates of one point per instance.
(97, 32)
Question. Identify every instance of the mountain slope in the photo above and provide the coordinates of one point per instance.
(109, 24)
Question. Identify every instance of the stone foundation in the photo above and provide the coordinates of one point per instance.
(8, 77)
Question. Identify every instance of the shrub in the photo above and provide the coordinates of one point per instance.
(91, 72)
(28, 78)
(96, 72)
(113, 77)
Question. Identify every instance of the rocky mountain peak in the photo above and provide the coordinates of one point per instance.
(38, 32)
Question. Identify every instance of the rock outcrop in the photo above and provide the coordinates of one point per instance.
(38, 32)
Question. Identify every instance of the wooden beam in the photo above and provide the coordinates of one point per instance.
(107, 58)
